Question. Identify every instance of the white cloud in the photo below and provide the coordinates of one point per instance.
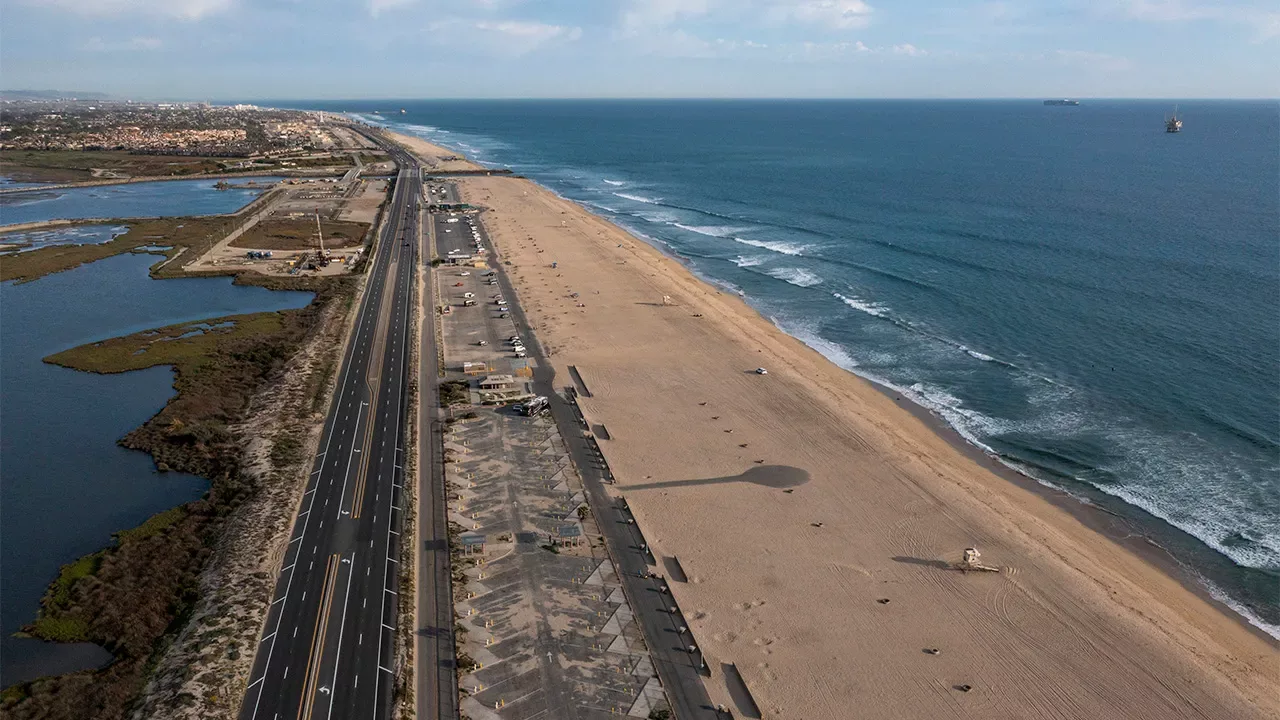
(181, 9)
(909, 50)
(499, 37)
(836, 14)
(642, 15)
(377, 7)
(97, 44)
(1263, 19)
(531, 34)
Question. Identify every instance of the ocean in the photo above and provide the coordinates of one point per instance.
(1072, 289)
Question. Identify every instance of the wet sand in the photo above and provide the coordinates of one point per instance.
(797, 502)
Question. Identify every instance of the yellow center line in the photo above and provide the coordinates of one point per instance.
(310, 679)
(372, 381)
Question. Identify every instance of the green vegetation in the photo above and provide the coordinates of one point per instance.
(286, 451)
(455, 392)
(155, 525)
(133, 597)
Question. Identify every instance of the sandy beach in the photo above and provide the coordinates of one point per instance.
(790, 583)
(436, 158)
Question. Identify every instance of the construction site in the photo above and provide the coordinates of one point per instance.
(302, 225)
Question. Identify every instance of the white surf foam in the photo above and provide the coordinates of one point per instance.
(796, 276)
(638, 198)
(615, 183)
(711, 230)
(785, 248)
(602, 206)
(975, 354)
(806, 334)
(746, 261)
(869, 308)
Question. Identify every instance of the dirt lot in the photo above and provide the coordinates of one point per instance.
(299, 234)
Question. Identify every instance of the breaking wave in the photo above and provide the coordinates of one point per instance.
(786, 248)
(796, 276)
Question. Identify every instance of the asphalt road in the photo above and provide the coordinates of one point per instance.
(328, 643)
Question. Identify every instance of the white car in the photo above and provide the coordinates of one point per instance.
(761, 371)
(468, 295)
(464, 273)
(483, 343)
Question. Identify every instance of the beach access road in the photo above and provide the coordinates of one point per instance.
(436, 685)
(328, 642)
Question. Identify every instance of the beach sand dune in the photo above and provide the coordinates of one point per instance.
(856, 501)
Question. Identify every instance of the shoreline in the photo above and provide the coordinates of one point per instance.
(1099, 519)
(1136, 533)
(1155, 610)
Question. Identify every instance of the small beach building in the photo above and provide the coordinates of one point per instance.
(495, 383)
(472, 543)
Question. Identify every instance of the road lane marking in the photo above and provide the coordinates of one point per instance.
(308, 679)
(342, 626)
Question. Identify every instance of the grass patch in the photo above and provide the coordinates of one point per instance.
(154, 525)
(59, 593)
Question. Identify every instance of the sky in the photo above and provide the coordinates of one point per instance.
(339, 49)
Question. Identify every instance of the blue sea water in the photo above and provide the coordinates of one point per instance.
(1072, 288)
(166, 198)
(65, 486)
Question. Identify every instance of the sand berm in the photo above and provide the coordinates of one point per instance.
(788, 586)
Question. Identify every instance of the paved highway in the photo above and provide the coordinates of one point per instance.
(328, 643)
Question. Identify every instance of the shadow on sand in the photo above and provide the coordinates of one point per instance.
(939, 564)
(770, 476)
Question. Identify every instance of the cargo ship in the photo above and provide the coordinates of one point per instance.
(1061, 102)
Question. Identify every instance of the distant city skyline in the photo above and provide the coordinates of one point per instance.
(390, 49)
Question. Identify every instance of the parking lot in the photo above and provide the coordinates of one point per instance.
(544, 630)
